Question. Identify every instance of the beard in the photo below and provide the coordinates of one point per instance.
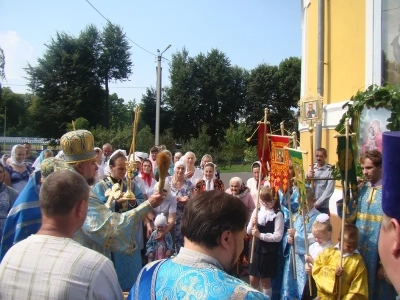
(91, 180)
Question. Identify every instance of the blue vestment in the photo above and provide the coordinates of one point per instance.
(190, 276)
(366, 213)
(294, 199)
(291, 288)
(276, 282)
(24, 217)
(126, 265)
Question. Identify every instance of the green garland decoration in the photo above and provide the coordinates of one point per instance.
(386, 96)
(374, 97)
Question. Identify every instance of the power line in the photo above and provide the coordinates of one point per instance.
(125, 35)
(111, 87)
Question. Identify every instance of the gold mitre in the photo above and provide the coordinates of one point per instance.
(51, 165)
(78, 146)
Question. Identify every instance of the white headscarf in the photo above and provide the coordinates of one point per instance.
(14, 155)
(211, 187)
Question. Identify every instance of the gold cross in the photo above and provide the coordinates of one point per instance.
(365, 247)
(189, 289)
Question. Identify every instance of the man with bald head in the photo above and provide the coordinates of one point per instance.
(107, 150)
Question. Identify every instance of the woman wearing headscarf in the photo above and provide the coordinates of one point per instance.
(239, 190)
(18, 172)
(252, 183)
(207, 158)
(43, 155)
(192, 173)
(145, 180)
(7, 198)
(209, 182)
(182, 188)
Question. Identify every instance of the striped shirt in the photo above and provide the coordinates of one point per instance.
(49, 267)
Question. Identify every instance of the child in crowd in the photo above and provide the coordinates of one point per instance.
(322, 233)
(327, 271)
(267, 225)
(293, 288)
(159, 248)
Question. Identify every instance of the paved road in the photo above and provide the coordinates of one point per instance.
(225, 177)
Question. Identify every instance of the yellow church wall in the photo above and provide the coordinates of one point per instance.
(344, 49)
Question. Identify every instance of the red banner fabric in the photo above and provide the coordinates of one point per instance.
(279, 163)
(264, 158)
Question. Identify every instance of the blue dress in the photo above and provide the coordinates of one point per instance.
(291, 288)
(276, 282)
(294, 199)
(126, 265)
(185, 190)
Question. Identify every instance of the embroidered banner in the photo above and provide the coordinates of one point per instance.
(264, 158)
(297, 161)
(352, 185)
(279, 163)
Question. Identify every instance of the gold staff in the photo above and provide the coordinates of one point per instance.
(259, 179)
(347, 135)
(131, 163)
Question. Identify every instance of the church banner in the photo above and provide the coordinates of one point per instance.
(297, 161)
(352, 185)
(279, 162)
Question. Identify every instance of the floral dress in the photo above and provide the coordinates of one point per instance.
(185, 190)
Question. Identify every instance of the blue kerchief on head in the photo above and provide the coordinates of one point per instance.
(390, 178)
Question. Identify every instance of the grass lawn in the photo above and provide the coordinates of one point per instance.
(235, 168)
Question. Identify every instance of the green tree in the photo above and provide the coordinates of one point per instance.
(204, 89)
(148, 110)
(276, 88)
(115, 61)
(235, 144)
(120, 113)
(262, 90)
(289, 77)
(167, 139)
(199, 145)
(2, 64)
(66, 83)
(79, 123)
(17, 113)
(144, 139)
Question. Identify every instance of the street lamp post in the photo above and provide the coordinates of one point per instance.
(158, 99)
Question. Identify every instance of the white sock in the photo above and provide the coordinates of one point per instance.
(267, 292)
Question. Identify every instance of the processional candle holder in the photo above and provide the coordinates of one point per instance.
(131, 165)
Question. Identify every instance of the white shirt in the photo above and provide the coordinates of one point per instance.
(197, 175)
(168, 206)
(316, 248)
(263, 217)
(48, 267)
(337, 246)
(144, 187)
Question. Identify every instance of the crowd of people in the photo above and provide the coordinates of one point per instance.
(69, 230)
